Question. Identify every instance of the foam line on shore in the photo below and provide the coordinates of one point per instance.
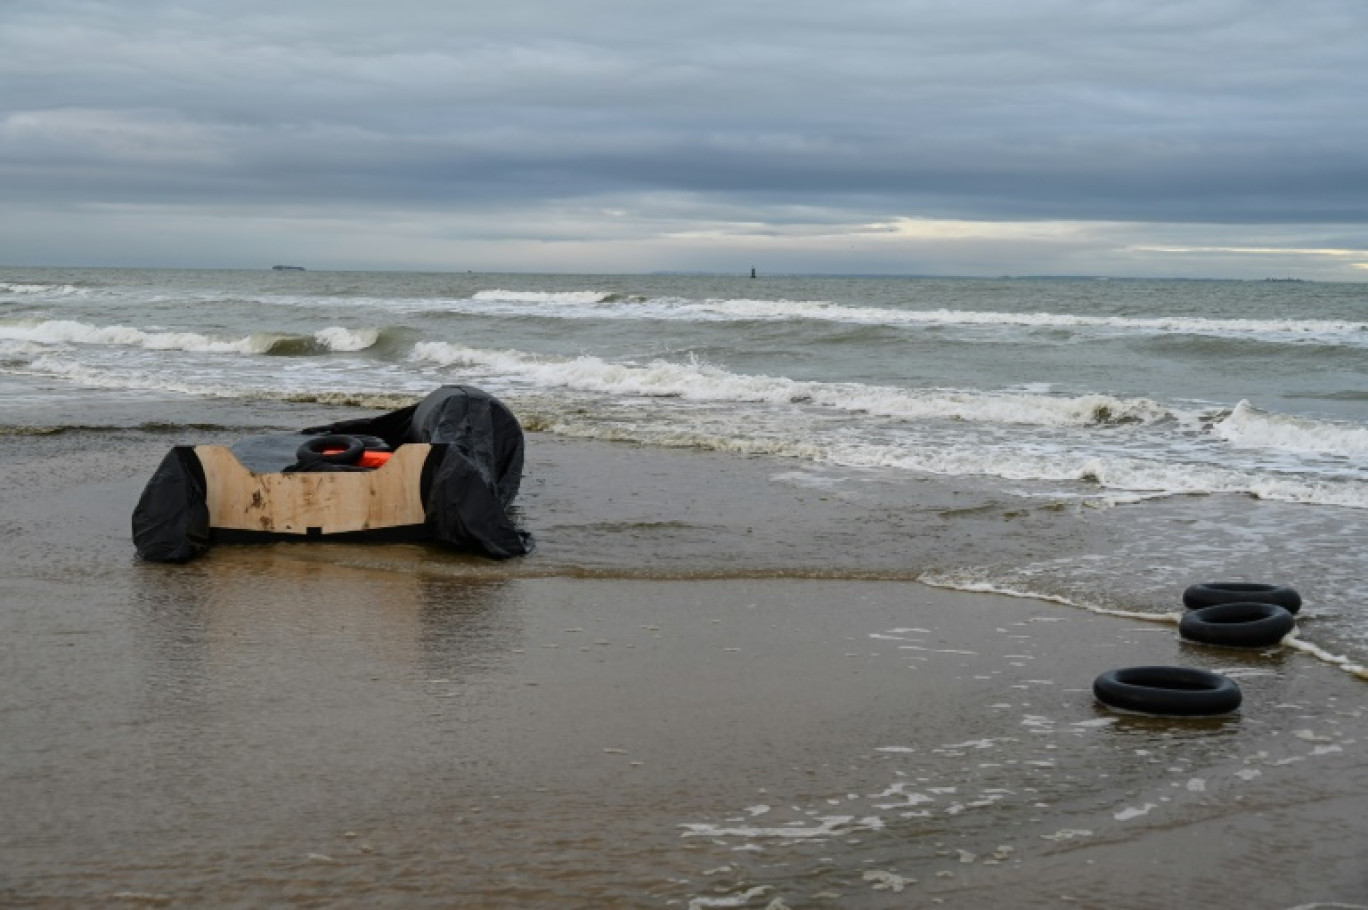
(983, 587)
(1293, 639)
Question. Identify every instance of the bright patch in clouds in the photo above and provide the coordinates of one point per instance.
(930, 229)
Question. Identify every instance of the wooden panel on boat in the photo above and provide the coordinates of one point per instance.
(323, 503)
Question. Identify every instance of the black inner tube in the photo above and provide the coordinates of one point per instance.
(1210, 594)
(374, 443)
(1237, 625)
(1167, 691)
(316, 450)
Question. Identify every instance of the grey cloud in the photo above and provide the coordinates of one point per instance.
(1237, 111)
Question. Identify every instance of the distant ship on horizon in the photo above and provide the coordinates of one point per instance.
(288, 268)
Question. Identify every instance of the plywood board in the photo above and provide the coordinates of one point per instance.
(324, 503)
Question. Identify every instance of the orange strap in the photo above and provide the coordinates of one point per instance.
(374, 459)
(368, 458)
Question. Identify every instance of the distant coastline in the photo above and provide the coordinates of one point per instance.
(288, 268)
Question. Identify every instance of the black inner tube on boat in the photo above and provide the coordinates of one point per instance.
(374, 444)
(1167, 691)
(1211, 594)
(316, 449)
(1237, 625)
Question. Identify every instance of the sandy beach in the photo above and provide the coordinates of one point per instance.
(695, 694)
(872, 379)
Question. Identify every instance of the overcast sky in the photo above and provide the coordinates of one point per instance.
(1201, 138)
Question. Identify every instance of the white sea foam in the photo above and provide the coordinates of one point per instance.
(54, 290)
(340, 339)
(784, 422)
(830, 826)
(1023, 461)
(1107, 471)
(1288, 329)
(550, 298)
(1292, 328)
(731, 900)
(97, 378)
(66, 331)
(597, 304)
(698, 381)
(20, 349)
(1294, 640)
(574, 303)
(376, 385)
(1248, 427)
(1134, 812)
(957, 582)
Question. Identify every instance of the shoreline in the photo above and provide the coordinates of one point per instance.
(1292, 640)
(394, 725)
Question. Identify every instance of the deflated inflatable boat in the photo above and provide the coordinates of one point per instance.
(445, 469)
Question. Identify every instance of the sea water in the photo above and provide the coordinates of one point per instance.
(1208, 430)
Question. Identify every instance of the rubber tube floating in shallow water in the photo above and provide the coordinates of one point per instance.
(1167, 691)
(1212, 593)
(1237, 625)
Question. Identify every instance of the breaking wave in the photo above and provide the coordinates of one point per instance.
(58, 290)
(570, 304)
(947, 432)
(325, 341)
(1116, 478)
(1291, 328)
(698, 381)
(63, 331)
(598, 304)
(1110, 472)
(1249, 428)
(545, 297)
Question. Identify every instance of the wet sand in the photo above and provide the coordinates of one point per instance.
(698, 693)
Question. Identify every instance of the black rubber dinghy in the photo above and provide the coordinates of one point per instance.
(451, 468)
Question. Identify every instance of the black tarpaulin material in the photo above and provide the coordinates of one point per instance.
(477, 479)
(479, 476)
(469, 482)
(171, 520)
